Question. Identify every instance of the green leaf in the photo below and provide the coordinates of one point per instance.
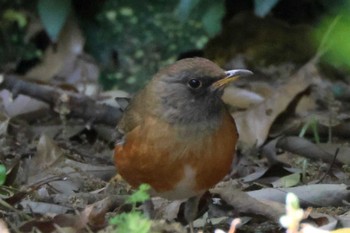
(335, 40)
(263, 7)
(292, 201)
(53, 15)
(2, 174)
(139, 195)
(118, 219)
(133, 222)
(313, 125)
(212, 19)
(287, 181)
(15, 16)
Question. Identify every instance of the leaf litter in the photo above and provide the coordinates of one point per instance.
(61, 172)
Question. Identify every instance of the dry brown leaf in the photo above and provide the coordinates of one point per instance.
(165, 226)
(4, 122)
(61, 221)
(94, 214)
(20, 105)
(69, 45)
(241, 98)
(270, 174)
(344, 219)
(262, 88)
(254, 124)
(41, 225)
(166, 209)
(323, 221)
(43, 208)
(3, 227)
(48, 153)
(66, 61)
(48, 166)
(306, 104)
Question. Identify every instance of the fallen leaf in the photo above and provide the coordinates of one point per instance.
(66, 62)
(241, 98)
(264, 175)
(3, 227)
(287, 181)
(254, 124)
(344, 219)
(20, 105)
(43, 208)
(323, 221)
(166, 209)
(48, 153)
(4, 122)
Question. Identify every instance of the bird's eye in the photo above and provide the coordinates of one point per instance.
(194, 83)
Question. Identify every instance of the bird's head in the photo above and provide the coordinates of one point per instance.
(190, 90)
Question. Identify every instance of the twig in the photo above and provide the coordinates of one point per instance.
(78, 105)
(330, 166)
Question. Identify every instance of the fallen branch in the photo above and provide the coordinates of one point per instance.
(313, 195)
(77, 105)
(244, 203)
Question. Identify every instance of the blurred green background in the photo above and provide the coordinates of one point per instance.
(130, 40)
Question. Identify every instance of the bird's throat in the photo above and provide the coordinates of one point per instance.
(192, 114)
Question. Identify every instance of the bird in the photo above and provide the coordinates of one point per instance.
(176, 134)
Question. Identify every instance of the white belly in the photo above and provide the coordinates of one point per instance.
(183, 189)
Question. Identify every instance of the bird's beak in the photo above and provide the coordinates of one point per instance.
(231, 75)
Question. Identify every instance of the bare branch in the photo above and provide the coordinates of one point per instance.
(79, 105)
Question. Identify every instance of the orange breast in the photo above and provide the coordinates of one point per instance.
(177, 162)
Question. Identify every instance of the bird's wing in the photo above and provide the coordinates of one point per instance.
(133, 116)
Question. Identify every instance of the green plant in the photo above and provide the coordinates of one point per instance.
(11, 15)
(140, 195)
(332, 34)
(211, 14)
(14, 46)
(294, 214)
(312, 123)
(2, 174)
(134, 221)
